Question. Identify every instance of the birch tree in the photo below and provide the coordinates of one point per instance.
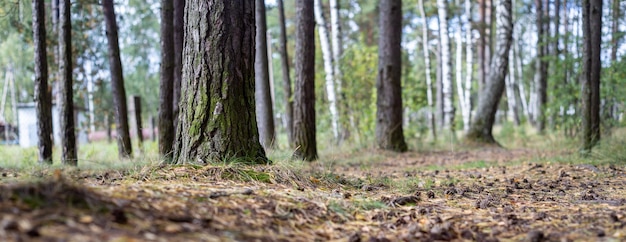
(482, 125)
(469, 62)
(429, 85)
(446, 66)
(328, 67)
(458, 66)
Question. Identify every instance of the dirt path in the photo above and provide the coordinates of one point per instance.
(485, 195)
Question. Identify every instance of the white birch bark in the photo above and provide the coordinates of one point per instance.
(337, 43)
(429, 84)
(469, 62)
(458, 65)
(328, 67)
(446, 64)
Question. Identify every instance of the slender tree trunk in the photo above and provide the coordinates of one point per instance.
(510, 94)
(592, 37)
(42, 96)
(482, 44)
(469, 61)
(440, 113)
(217, 121)
(304, 93)
(262, 93)
(517, 61)
(458, 66)
(481, 129)
(446, 66)
(55, 71)
(541, 70)
(117, 82)
(389, 133)
(66, 113)
(166, 122)
(337, 46)
(328, 67)
(179, 21)
(429, 85)
(284, 59)
(615, 38)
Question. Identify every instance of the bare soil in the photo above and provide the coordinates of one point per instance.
(484, 195)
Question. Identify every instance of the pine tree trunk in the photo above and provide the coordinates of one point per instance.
(66, 112)
(590, 95)
(179, 21)
(429, 85)
(117, 82)
(262, 93)
(304, 93)
(328, 67)
(446, 66)
(481, 129)
(284, 59)
(469, 61)
(166, 122)
(217, 121)
(42, 96)
(389, 133)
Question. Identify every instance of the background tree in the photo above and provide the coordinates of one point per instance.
(429, 85)
(389, 132)
(327, 55)
(66, 113)
(42, 97)
(166, 122)
(217, 120)
(541, 71)
(446, 66)
(284, 60)
(592, 40)
(480, 130)
(117, 81)
(304, 95)
(179, 21)
(262, 92)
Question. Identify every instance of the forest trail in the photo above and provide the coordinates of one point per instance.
(483, 194)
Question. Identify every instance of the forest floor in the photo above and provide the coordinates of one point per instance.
(483, 194)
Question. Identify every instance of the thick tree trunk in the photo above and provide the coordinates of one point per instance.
(284, 59)
(66, 113)
(42, 96)
(166, 122)
(446, 66)
(389, 133)
(592, 38)
(328, 67)
(469, 61)
(304, 94)
(481, 129)
(541, 70)
(124, 147)
(262, 92)
(179, 21)
(217, 121)
(429, 85)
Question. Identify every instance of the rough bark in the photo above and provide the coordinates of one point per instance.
(541, 72)
(446, 66)
(166, 122)
(469, 62)
(482, 125)
(42, 96)
(217, 121)
(429, 85)
(117, 82)
(179, 21)
(262, 93)
(66, 111)
(590, 94)
(327, 55)
(284, 59)
(304, 93)
(389, 133)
